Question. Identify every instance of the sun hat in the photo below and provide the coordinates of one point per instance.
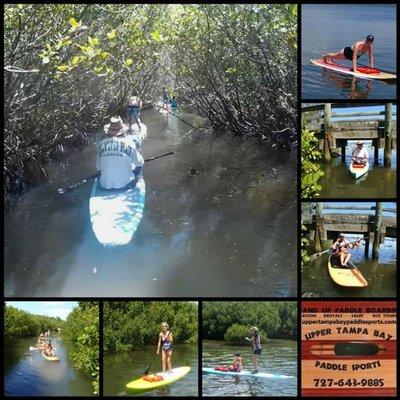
(115, 127)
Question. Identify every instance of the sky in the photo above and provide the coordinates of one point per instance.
(348, 110)
(59, 309)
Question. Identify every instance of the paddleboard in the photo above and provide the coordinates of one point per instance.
(260, 375)
(115, 214)
(362, 72)
(50, 358)
(358, 170)
(154, 381)
(347, 277)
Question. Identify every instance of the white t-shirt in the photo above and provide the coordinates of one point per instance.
(360, 153)
(117, 157)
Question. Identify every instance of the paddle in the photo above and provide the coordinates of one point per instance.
(97, 174)
(318, 255)
(146, 371)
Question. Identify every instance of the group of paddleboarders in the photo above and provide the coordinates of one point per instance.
(353, 53)
(341, 255)
(119, 160)
(44, 346)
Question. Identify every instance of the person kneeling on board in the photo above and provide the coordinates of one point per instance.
(118, 159)
(353, 53)
(256, 346)
(133, 107)
(360, 154)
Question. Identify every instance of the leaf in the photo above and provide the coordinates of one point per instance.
(93, 41)
(156, 36)
(74, 23)
(128, 62)
(111, 35)
(63, 68)
(45, 60)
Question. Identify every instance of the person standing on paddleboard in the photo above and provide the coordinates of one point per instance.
(340, 248)
(360, 154)
(165, 99)
(133, 107)
(256, 346)
(118, 159)
(165, 345)
(353, 53)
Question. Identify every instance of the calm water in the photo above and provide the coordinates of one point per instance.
(280, 357)
(381, 275)
(379, 182)
(122, 368)
(329, 28)
(219, 220)
(27, 373)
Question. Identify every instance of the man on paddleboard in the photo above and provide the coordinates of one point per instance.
(256, 346)
(133, 108)
(353, 53)
(360, 154)
(118, 159)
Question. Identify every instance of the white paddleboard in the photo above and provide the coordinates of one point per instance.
(259, 375)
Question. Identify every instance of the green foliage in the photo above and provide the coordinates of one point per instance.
(18, 323)
(82, 328)
(132, 325)
(236, 334)
(305, 258)
(276, 319)
(311, 171)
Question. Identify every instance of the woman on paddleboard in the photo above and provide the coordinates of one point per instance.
(256, 346)
(49, 349)
(165, 345)
(118, 159)
(353, 53)
(360, 154)
(340, 249)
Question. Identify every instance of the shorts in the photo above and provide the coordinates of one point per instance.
(257, 351)
(348, 53)
(133, 112)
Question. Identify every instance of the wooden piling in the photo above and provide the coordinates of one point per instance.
(328, 131)
(377, 231)
(388, 135)
(319, 226)
(366, 247)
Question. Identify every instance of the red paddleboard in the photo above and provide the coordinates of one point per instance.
(362, 72)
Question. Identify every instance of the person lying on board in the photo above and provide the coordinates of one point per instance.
(165, 345)
(360, 154)
(353, 53)
(237, 365)
(256, 346)
(118, 159)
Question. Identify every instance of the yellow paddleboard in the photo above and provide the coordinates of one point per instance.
(154, 381)
(347, 277)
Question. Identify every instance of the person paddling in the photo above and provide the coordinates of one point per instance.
(133, 107)
(340, 249)
(118, 159)
(256, 346)
(360, 154)
(165, 345)
(353, 53)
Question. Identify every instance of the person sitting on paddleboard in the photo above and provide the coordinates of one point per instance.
(353, 53)
(165, 344)
(133, 107)
(340, 248)
(237, 364)
(49, 349)
(118, 159)
(360, 154)
(256, 346)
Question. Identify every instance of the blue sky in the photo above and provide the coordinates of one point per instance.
(361, 109)
(59, 309)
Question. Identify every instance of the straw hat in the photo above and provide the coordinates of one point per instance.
(115, 127)
(359, 142)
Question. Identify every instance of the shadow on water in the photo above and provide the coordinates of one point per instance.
(219, 220)
(381, 275)
(355, 20)
(279, 356)
(27, 373)
(120, 369)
